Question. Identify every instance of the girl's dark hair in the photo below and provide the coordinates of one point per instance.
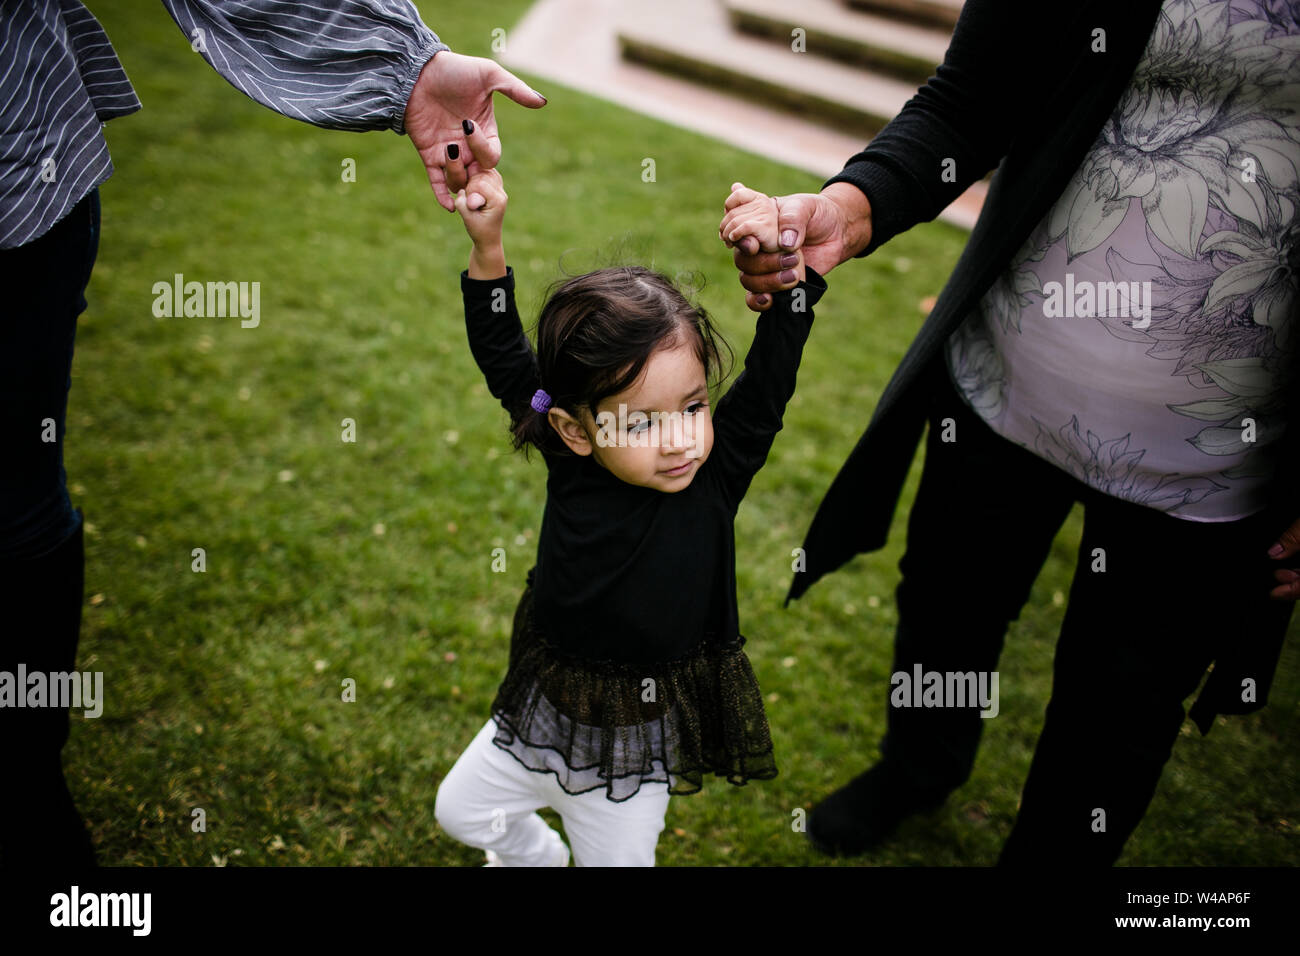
(594, 336)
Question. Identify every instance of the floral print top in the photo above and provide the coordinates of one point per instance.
(1143, 335)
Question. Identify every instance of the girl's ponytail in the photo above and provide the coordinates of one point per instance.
(532, 428)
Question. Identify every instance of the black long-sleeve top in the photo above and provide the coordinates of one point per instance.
(626, 662)
(630, 574)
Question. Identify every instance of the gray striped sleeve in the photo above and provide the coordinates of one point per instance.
(59, 80)
(340, 64)
(101, 74)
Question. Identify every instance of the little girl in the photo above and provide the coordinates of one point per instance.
(627, 680)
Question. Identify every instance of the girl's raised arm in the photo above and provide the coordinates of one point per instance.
(496, 336)
(749, 415)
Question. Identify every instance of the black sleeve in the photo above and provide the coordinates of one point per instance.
(497, 340)
(748, 417)
(969, 112)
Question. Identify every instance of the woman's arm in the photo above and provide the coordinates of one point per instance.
(354, 65)
(348, 65)
(961, 123)
(955, 129)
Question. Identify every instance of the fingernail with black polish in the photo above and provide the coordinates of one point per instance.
(467, 126)
(453, 152)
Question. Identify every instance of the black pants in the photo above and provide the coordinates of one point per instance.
(41, 550)
(1135, 643)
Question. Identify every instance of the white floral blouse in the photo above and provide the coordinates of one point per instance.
(1142, 337)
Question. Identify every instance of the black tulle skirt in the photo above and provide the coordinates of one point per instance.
(613, 726)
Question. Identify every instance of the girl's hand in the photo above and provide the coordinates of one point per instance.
(751, 220)
(484, 223)
(751, 226)
(829, 227)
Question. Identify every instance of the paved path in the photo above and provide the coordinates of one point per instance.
(573, 43)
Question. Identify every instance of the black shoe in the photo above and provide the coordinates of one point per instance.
(861, 815)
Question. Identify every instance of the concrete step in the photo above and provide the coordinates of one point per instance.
(571, 43)
(936, 13)
(694, 38)
(901, 49)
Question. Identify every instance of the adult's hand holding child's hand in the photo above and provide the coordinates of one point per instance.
(451, 90)
(483, 184)
(751, 220)
(827, 227)
(483, 221)
(752, 224)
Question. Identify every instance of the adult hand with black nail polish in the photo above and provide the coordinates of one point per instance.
(451, 101)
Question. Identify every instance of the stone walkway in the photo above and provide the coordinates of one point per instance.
(574, 43)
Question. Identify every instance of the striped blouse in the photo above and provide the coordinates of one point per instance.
(340, 64)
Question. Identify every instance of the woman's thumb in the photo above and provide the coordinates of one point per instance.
(517, 89)
(793, 214)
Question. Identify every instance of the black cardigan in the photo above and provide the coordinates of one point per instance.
(1020, 88)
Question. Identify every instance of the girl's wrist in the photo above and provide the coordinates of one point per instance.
(487, 261)
(488, 246)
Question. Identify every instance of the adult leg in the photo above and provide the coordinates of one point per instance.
(1137, 639)
(979, 531)
(41, 552)
(489, 800)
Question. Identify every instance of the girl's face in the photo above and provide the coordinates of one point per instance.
(657, 432)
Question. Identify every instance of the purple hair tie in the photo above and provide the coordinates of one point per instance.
(541, 401)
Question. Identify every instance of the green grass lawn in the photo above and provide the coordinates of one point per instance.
(371, 560)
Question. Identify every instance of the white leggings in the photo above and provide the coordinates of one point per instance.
(489, 800)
